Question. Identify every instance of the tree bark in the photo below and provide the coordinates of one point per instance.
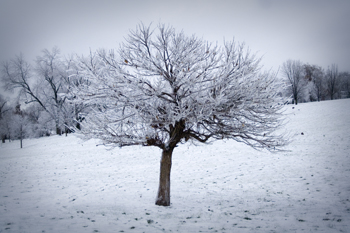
(58, 130)
(21, 136)
(163, 196)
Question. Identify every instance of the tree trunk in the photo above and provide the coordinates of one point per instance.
(163, 197)
(296, 100)
(78, 126)
(66, 130)
(21, 136)
(58, 130)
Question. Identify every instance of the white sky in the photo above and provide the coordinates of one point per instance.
(313, 31)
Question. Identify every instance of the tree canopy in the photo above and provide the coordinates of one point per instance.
(163, 87)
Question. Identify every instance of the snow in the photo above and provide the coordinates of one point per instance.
(63, 184)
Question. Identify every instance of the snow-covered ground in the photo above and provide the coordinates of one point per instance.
(62, 184)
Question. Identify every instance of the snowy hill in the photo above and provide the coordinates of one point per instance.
(62, 184)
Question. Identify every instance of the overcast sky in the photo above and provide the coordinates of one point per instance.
(313, 31)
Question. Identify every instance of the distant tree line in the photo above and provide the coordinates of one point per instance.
(308, 83)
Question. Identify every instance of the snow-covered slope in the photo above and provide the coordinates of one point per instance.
(61, 184)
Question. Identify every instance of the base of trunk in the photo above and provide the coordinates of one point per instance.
(162, 201)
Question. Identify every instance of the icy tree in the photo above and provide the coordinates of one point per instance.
(44, 84)
(314, 83)
(51, 72)
(164, 88)
(73, 110)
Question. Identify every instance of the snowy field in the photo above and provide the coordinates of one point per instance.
(62, 184)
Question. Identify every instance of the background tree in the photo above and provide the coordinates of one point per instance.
(16, 74)
(167, 88)
(43, 85)
(294, 74)
(345, 84)
(314, 76)
(318, 78)
(19, 124)
(51, 72)
(36, 126)
(5, 125)
(73, 110)
(3, 110)
(332, 81)
(2, 106)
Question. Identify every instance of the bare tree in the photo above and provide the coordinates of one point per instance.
(332, 79)
(51, 70)
(3, 109)
(345, 84)
(293, 71)
(44, 84)
(167, 88)
(3, 124)
(319, 83)
(17, 74)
